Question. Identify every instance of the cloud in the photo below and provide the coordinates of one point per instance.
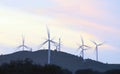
(74, 7)
(14, 23)
(79, 13)
(87, 7)
(94, 20)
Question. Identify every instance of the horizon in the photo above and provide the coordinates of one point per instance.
(93, 20)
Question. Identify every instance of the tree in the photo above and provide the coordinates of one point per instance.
(115, 71)
(27, 67)
(87, 71)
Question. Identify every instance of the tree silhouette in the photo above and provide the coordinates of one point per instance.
(27, 67)
(87, 71)
(115, 71)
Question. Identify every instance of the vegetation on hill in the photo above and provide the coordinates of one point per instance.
(62, 59)
(90, 71)
(27, 67)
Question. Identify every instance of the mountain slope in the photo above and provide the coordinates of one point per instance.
(62, 59)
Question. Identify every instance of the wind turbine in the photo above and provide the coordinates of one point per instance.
(23, 46)
(96, 48)
(49, 41)
(58, 45)
(83, 47)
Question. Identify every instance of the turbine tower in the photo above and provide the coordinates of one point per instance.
(49, 41)
(83, 47)
(59, 45)
(23, 46)
(96, 48)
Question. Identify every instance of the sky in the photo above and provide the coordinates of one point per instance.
(96, 20)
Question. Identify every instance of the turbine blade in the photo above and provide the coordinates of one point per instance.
(19, 46)
(82, 40)
(48, 32)
(94, 42)
(100, 44)
(80, 47)
(86, 46)
(26, 47)
(43, 43)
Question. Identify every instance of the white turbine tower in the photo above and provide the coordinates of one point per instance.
(59, 45)
(83, 47)
(49, 40)
(23, 46)
(96, 48)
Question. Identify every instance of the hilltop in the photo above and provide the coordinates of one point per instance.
(62, 59)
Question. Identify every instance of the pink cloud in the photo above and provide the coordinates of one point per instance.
(86, 23)
(85, 7)
(62, 18)
(69, 12)
(76, 7)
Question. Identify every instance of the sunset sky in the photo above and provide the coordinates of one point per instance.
(96, 20)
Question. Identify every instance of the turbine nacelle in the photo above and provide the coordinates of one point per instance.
(97, 44)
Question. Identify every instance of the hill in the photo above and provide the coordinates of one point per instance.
(65, 60)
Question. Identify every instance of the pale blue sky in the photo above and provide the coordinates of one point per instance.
(96, 20)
